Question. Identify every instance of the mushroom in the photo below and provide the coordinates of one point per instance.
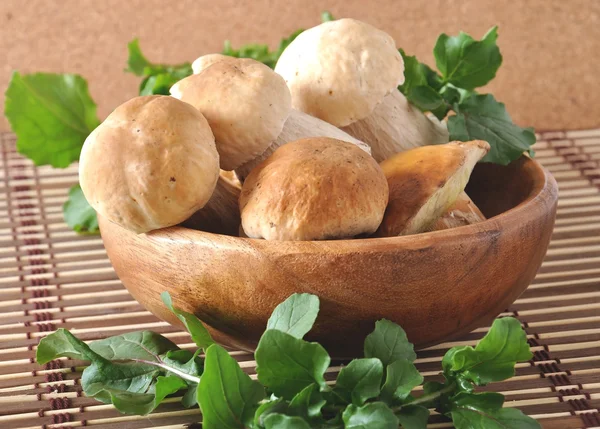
(248, 107)
(314, 189)
(151, 164)
(205, 61)
(424, 182)
(463, 212)
(346, 72)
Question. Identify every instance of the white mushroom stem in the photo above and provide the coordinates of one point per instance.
(300, 125)
(221, 214)
(463, 212)
(395, 126)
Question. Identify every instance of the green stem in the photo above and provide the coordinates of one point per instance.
(166, 367)
(427, 398)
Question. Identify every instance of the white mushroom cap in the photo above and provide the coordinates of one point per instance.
(207, 60)
(340, 70)
(314, 189)
(151, 164)
(245, 103)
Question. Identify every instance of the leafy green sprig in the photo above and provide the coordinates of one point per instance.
(137, 371)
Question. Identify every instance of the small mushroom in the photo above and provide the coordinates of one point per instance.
(463, 212)
(424, 182)
(346, 72)
(314, 189)
(151, 164)
(208, 60)
(248, 107)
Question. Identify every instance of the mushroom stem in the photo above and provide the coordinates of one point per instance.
(396, 126)
(221, 214)
(299, 125)
(463, 212)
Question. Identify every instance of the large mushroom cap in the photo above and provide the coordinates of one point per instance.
(314, 189)
(340, 70)
(151, 164)
(245, 103)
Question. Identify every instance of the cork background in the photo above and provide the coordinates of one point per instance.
(550, 77)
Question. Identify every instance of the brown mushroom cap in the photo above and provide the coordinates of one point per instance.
(207, 60)
(340, 70)
(245, 103)
(424, 182)
(314, 189)
(151, 164)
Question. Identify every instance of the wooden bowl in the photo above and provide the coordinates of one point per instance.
(436, 285)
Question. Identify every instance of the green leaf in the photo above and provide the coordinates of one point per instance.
(481, 117)
(190, 398)
(146, 345)
(286, 364)
(494, 357)
(258, 52)
(413, 417)
(64, 344)
(360, 380)
(417, 73)
(136, 62)
(296, 315)
(426, 98)
(307, 403)
(281, 421)
(401, 378)
(326, 16)
(78, 214)
(51, 114)
(504, 418)
(275, 405)
(465, 62)
(159, 84)
(199, 334)
(388, 343)
(145, 403)
(103, 376)
(227, 396)
(184, 361)
(374, 415)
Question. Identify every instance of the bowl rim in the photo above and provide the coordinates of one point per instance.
(544, 189)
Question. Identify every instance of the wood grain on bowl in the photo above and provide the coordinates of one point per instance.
(436, 285)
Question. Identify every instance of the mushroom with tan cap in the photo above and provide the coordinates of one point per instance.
(314, 189)
(424, 182)
(248, 107)
(151, 164)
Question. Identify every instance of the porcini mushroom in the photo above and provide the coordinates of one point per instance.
(151, 164)
(424, 182)
(207, 60)
(248, 107)
(346, 72)
(314, 189)
(463, 212)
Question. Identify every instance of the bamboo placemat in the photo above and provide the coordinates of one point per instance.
(50, 278)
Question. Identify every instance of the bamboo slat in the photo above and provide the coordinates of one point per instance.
(52, 278)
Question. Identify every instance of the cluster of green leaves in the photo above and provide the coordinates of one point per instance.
(137, 371)
(465, 64)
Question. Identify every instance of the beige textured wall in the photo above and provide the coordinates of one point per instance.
(549, 78)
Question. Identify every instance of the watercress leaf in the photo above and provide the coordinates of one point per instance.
(425, 98)
(413, 417)
(276, 405)
(136, 62)
(228, 397)
(401, 378)
(296, 315)
(286, 364)
(374, 415)
(388, 343)
(360, 380)
(184, 361)
(281, 421)
(145, 403)
(158, 84)
(146, 345)
(109, 376)
(190, 397)
(504, 418)
(51, 114)
(78, 213)
(307, 403)
(258, 52)
(494, 357)
(465, 62)
(62, 343)
(326, 16)
(481, 117)
(481, 401)
(194, 326)
(417, 73)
